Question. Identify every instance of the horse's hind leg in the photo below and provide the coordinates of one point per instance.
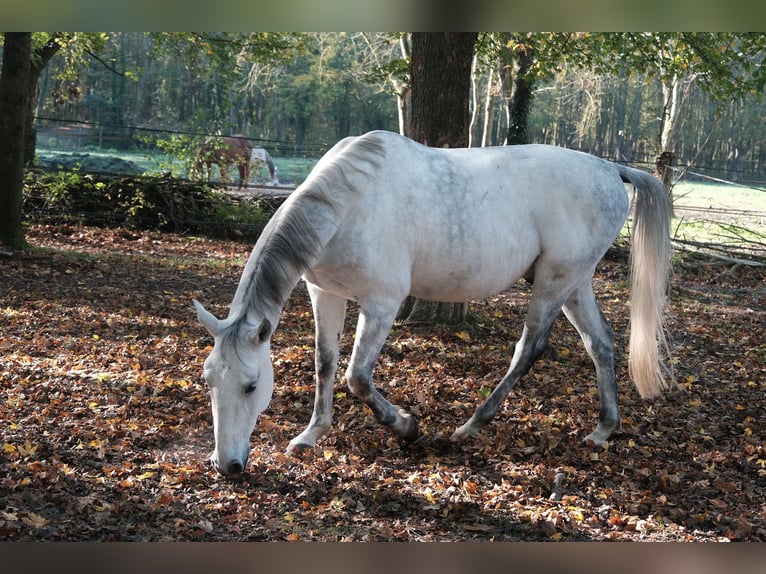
(329, 314)
(584, 313)
(375, 322)
(543, 309)
(244, 173)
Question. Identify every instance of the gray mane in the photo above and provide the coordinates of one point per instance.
(298, 232)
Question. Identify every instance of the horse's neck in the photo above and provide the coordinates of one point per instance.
(288, 246)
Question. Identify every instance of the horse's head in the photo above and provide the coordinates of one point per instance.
(240, 376)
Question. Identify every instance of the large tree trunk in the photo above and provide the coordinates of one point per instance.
(440, 76)
(13, 108)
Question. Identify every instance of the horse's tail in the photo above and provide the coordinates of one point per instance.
(651, 275)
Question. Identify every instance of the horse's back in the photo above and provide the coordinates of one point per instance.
(479, 178)
(238, 142)
(454, 224)
(488, 195)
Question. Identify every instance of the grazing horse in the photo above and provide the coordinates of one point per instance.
(381, 217)
(224, 151)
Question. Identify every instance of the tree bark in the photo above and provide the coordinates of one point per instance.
(474, 102)
(440, 72)
(13, 109)
(521, 94)
(440, 77)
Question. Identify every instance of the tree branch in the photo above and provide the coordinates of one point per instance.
(103, 63)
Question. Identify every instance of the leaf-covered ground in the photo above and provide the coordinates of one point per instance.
(105, 425)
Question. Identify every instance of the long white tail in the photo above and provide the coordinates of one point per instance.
(651, 275)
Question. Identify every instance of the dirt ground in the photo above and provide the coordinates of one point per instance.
(105, 424)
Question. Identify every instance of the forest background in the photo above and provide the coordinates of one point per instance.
(297, 94)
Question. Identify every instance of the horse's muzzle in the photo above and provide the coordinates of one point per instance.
(231, 468)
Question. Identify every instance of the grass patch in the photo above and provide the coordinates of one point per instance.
(718, 196)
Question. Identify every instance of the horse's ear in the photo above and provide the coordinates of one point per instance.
(208, 320)
(262, 333)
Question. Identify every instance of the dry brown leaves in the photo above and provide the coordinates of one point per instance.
(105, 426)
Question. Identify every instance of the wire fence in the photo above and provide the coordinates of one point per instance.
(68, 134)
(127, 150)
(78, 134)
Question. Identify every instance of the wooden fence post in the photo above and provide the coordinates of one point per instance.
(663, 171)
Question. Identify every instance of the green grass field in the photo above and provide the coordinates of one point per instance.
(732, 217)
(719, 196)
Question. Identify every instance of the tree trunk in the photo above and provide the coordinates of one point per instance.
(521, 95)
(42, 56)
(620, 101)
(671, 96)
(474, 106)
(486, 136)
(440, 72)
(402, 89)
(440, 77)
(402, 95)
(17, 53)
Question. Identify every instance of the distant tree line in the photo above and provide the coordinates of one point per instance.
(611, 95)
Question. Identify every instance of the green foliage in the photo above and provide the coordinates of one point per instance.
(272, 86)
(63, 189)
(158, 202)
(179, 151)
(726, 65)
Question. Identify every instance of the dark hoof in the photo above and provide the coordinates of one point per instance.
(412, 431)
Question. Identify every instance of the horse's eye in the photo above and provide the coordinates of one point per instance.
(250, 388)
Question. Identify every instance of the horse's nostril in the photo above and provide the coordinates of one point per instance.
(235, 467)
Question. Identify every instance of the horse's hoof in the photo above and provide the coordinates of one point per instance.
(600, 436)
(595, 439)
(298, 449)
(406, 426)
(412, 432)
(464, 432)
(457, 436)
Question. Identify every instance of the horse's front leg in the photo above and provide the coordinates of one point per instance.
(374, 324)
(329, 314)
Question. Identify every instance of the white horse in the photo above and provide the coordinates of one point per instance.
(259, 157)
(381, 217)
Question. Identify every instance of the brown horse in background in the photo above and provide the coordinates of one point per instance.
(224, 151)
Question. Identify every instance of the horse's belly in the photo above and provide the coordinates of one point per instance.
(457, 281)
